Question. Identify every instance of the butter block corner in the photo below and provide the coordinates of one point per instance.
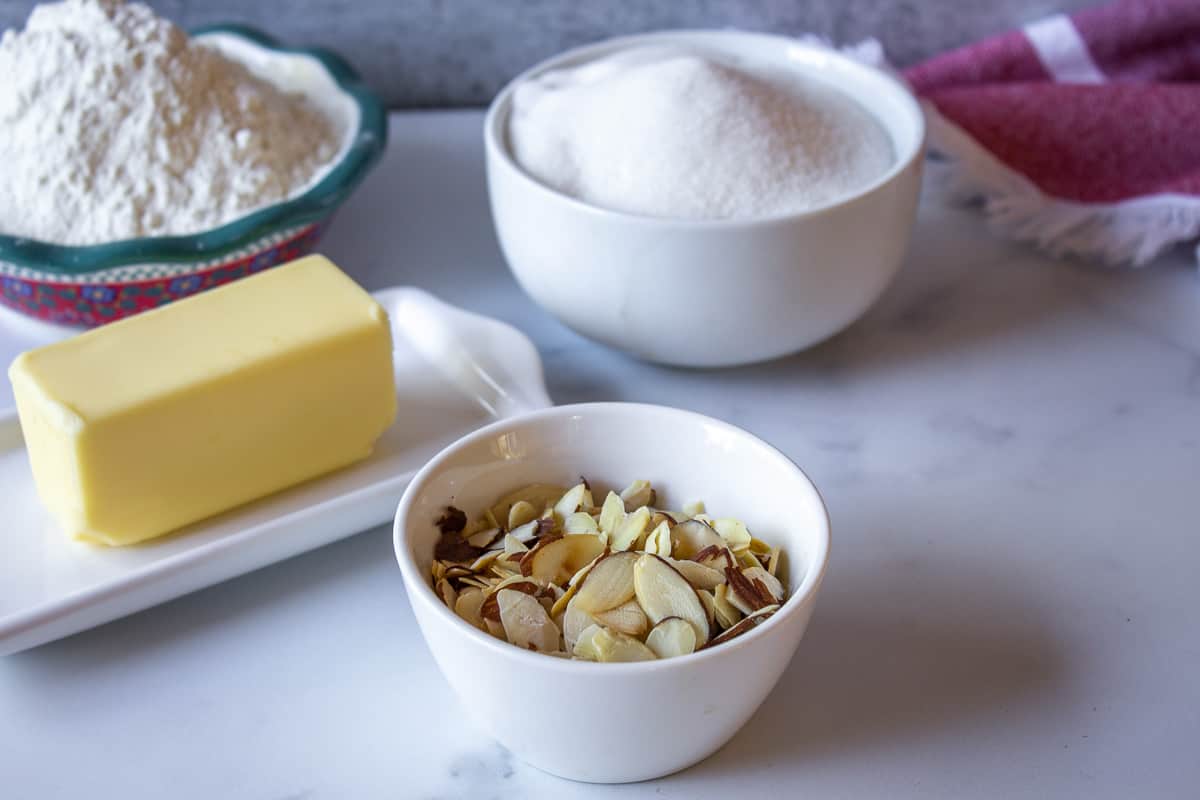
(148, 424)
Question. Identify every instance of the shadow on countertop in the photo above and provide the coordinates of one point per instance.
(870, 673)
(961, 292)
(189, 621)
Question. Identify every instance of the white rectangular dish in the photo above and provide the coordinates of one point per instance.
(455, 371)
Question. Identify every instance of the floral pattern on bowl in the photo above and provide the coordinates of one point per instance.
(95, 284)
(53, 298)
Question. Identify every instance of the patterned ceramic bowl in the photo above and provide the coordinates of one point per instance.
(94, 284)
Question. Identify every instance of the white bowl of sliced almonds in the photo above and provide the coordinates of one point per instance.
(612, 589)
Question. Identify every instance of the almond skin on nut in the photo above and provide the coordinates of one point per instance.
(546, 570)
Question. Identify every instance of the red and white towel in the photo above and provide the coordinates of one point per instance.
(1079, 133)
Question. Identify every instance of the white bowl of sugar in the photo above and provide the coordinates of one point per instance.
(704, 198)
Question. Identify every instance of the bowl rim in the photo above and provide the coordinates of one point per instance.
(420, 590)
(496, 146)
(366, 146)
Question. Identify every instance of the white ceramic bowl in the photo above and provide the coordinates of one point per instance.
(616, 722)
(712, 293)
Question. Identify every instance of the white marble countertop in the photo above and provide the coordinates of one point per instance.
(1010, 449)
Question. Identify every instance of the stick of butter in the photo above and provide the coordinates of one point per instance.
(148, 424)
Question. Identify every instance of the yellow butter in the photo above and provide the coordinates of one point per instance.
(145, 425)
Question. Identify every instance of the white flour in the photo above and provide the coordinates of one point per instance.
(672, 134)
(114, 125)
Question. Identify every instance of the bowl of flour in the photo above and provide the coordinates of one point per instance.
(144, 164)
(704, 198)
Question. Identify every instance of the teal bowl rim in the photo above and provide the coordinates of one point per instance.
(318, 202)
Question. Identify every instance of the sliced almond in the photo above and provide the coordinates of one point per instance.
(608, 584)
(575, 620)
(522, 512)
(584, 643)
(540, 546)
(716, 557)
(518, 583)
(570, 502)
(546, 534)
(538, 495)
(583, 571)
(560, 605)
(710, 608)
(580, 522)
(747, 560)
(627, 618)
(506, 566)
(659, 517)
(475, 581)
(637, 494)
(658, 541)
(726, 613)
(629, 533)
(749, 623)
(770, 587)
(547, 528)
(546, 560)
(759, 547)
(446, 592)
(611, 646)
(574, 583)
(526, 623)
(699, 575)
(692, 537)
(494, 627)
(693, 508)
(743, 593)
(773, 562)
(663, 592)
(514, 545)
(556, 561)
(611, 513)
(456, 571)
(734, 533)
(672, 637)
(469, 605)
(745, 604)
(484, 561)
(525, 533)
(485, 537)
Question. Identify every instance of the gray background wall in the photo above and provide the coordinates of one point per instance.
(459, 52)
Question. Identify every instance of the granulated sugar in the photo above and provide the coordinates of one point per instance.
(681, 135)
(113, 124)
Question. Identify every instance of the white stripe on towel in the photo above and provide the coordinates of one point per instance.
(1062, 51)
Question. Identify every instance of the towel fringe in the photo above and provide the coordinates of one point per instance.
(1130, 232)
